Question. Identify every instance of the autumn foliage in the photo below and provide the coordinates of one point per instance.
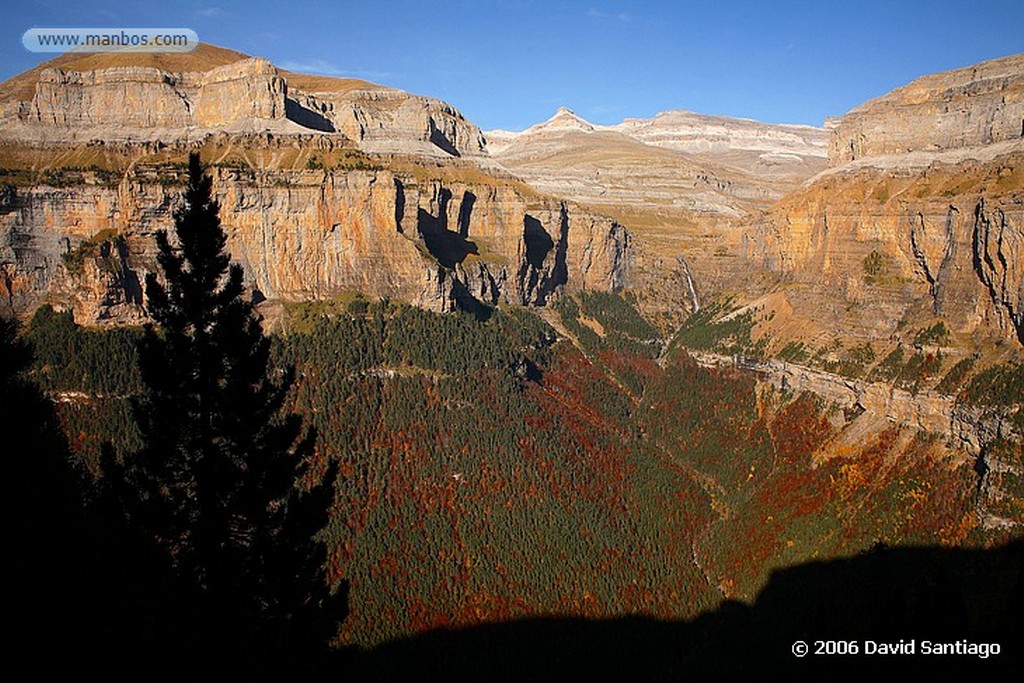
(490, 470)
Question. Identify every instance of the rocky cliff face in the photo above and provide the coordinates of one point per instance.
(325, 185)
(144, 97)
(678, 180)
(939, 241)
(310, 234)
(126, 96)
(390, 121)
(998, 260)
(924, 222)
(971, 107)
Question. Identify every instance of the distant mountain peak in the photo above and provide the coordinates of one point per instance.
(566, 118)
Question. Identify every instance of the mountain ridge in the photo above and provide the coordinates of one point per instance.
(702, 196)
(126, 96)
(638, 128)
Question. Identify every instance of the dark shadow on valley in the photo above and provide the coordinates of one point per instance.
(470, 304)
(935, 594)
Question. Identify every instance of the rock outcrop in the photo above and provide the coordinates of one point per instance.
(971, 107)
(388, 121)
(158, 97)
(972, 428)
(998, 259)
(144, 97)
(310, 234)
(913, 221)
(750, 145)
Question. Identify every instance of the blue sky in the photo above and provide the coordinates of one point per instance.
(511, 64)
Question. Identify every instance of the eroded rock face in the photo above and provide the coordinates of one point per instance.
(977, 427)
(129, 98)
(310, 234)
(303, 218)
(392, 121)
(998, 259)
(973, 428)
(151, 98)
(971, 107)
(925, 411)
(920, 217)
(940, 241)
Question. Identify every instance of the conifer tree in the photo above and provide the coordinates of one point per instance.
(42, 505)
(218, 483)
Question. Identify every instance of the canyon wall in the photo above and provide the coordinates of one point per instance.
(939, 241)
(132, 97)
(915, 222)
(147, 97)
(326, 185)
(391, 121)
(309, 234)
(971, 107)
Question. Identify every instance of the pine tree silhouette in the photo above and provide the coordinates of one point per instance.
(43, 507)
(218, 483)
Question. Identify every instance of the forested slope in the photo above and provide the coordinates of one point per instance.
(493, 470)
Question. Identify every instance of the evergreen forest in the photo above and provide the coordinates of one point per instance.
(496, 470)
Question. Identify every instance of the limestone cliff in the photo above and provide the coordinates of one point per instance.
(186, 96)
(325, 184)
(143, 97)
(921, 216)
(382, 119)
(941, 241)
(971, 107)
(309, 233)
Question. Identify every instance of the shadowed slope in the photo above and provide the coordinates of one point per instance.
(924, 594)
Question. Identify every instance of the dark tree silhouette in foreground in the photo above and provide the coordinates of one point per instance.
(80, 586)
(218, 483)
(42, 506)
